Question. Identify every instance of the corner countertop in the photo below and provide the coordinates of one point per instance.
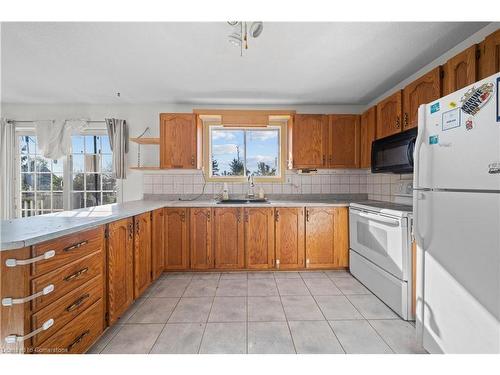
(22, 232)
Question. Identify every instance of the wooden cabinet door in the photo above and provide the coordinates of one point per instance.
(177, 140)
(200, 234)
(341, 237)
(290, 246)
(389, 115)
(344, 141)
(489, 62)
(228, 238)
(421, 91)
(120, 267)
(460, 70)
(310, 141)
(327, 237)
(157, 242)
(368, 123)
(259, 238)
(176, 239)
(142, 253)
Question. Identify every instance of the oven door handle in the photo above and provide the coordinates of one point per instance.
(380, 218)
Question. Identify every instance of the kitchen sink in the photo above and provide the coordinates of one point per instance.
(242, 201)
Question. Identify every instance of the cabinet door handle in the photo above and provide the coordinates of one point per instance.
(324, 159)
(307, 214)
(277, 215)
(183, 216)
(130, 231)
(75, 246)
(9, 301)
(76, 274)
(78, 340)
(277, 263)
(22, 262)
(77, 303)
(208, 216)
(398, 125)
(238, 215)
(405, 119)
(12, 339)
(192, 160)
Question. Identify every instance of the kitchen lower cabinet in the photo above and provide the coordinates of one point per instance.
(228, 233)
(200, 238)
(142, 253)
(259, 237)
(326, 237)
(120, 268)
(176, 239)
(289, 232)
(157, 243)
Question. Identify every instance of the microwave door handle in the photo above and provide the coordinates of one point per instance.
(380, 218)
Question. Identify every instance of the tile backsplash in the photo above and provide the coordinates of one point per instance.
(345, 181)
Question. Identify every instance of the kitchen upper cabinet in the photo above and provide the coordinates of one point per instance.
(228, 238)
(460, 70)
(421, 91)
(310, 141)
(176, 239)
(157, 243)
(259, 237)
(343, 135)
(142, 253)
(389, 115)
(200, 233)
(489, 62)
(177, 140)
(289, 231)
(368, 121)
(326, 237)
(120, 267)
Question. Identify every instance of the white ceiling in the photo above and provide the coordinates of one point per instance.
(290, 63)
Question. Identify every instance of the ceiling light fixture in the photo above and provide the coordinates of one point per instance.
(241, 32)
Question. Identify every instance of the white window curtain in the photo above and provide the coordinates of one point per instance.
(7, 169)
(118, 140)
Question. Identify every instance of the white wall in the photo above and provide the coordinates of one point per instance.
(138, 117)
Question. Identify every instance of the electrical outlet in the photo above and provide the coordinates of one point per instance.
(404, 187)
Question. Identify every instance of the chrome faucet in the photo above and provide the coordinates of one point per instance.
(251, 187)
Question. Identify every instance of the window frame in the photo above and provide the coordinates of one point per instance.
(67, 168)
(208, 126)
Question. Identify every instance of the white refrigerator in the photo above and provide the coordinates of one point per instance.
(456, 204)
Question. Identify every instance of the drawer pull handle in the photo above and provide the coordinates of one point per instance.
(77, 303)
(76, 274)
(17, 301)
(78, 340)
(12, 339)
(22, 262)
(76, 246)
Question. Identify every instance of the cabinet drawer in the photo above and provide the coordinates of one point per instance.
(78, 335)
(67, 249)
(67, 308)
(67, 278)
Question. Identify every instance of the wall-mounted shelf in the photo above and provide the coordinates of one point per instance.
(146, 141)
(146, 168)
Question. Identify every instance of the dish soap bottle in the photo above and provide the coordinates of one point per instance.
(225, 192)
(262, 194)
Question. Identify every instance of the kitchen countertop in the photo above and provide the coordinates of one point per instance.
(22, 232)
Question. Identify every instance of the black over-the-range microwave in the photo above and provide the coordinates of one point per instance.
(394, 154)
